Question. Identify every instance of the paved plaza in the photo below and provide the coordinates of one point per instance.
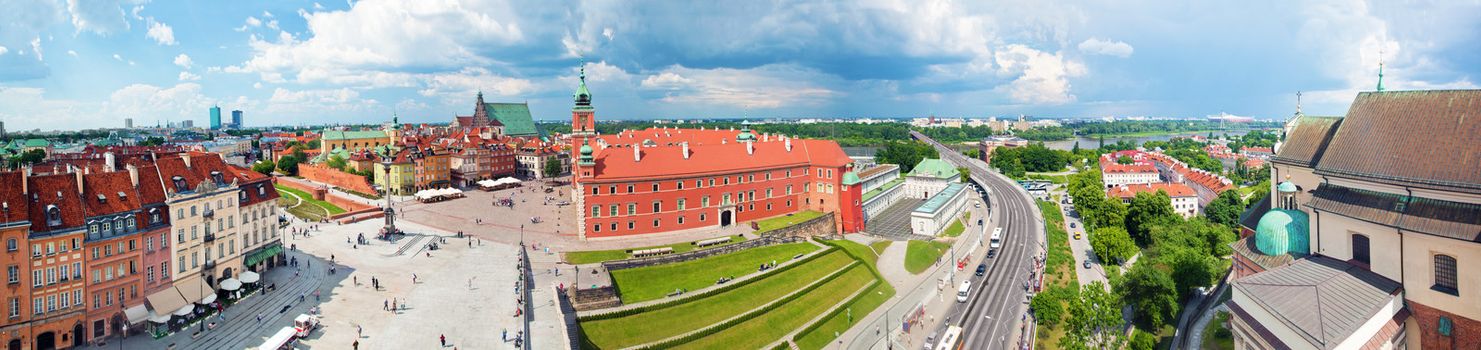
(466, 293)
(894, 221)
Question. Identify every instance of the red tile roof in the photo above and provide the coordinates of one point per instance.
(16, 205)
(59, 190)
(713, 158)
(1173, 190)
(116, 190)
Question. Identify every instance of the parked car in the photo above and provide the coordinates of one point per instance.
(1077, 236)
(963, 291)
(981, 269)
(1072, 225)
(1087, 263)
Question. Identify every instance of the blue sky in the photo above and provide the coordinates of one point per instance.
(70, 64)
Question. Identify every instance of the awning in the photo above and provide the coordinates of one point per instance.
(136, 313)
(262, 254)
(159, 318)
(209, 299)
(166, 301)
(231, 284)
(194, 290)
(249, 277)
(184, 310)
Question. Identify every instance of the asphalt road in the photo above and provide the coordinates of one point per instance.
(998, 300)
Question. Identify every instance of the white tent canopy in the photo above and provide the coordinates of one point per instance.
(209, 298)
(249, 277)
(185, 310)
(137, 313)
(230, 284)
(158, 318)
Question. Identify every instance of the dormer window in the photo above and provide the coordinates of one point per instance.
(179, 182)
(261, 190)
(102, 198)
(154, 216)
(242, 196)
(216, 176)
(122, 196)
(53, 215)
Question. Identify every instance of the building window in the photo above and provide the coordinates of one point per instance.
(612, 211)
(655, 187)
(699, 183)
(632, 209)
(53, 215)
(657, 206)
(725, 180)
(596, 228)
(655, 222)
(596, 211)
(701, 217)
(681, 220)
(629, 188)
(681, 204)
(679, 184)
(11, 245)
(1445, 275)
(631, 225)
(712, 182)
(704, 202)
(14, 273)
(1360, 249)
(614, 226)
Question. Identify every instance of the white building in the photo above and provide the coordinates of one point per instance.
(929, 177)
(937, 213)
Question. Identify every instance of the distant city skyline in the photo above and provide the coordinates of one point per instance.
(70, 66)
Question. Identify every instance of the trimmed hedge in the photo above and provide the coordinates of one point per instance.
(677, 301)
(872, 269)
(716, 328)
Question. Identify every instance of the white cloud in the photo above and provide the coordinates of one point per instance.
(318, 101)
(1096, 46)
(101, 17)
(116, 57)
(253, 21)
(318, 6)
(28, 108)
(3, 50)
(266, 14)
(257, 85)
(372, 38)
(183, 61)
(161, 33)
(180, 102)
(72, 53)
(188, 76)
(135, 12)
(36, 48)
(769, 86)
(469, 80)
(1041, 78)
(272, 24)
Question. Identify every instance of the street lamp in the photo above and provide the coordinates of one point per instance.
(123, 335)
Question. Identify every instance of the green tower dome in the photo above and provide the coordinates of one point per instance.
(1283, 231)
(850, 178)
(1286, 186)
(745, 134)
(586, 150)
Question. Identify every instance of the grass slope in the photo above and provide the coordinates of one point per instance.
(920, 255)
(695, 314)
(774, 324)
(596, 256)
(653, 282)
(1059, 271)
(775, 223)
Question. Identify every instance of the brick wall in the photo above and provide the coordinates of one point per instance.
(348, 204)
(1464, 333)
(818, 226)
(336, 178)
(316, 192)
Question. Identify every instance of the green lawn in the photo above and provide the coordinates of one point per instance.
(323, 208)
(955, 229)
(671, 321)
(839, 323)
(880, 246)
(757, 332)
(654, 282)
(771, 224)
(859, 250)
(596, 256)
(1216, 336)
(1060, 270)
(920, 255)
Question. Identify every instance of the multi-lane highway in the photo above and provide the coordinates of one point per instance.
(998, 301)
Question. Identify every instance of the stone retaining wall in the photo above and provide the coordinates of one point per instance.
(818, 226)
(336, 178)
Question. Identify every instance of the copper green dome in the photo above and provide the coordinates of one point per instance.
(745, 134)
(582, 95)
(1286, 186)
(1283, 231)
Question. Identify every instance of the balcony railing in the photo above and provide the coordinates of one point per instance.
(206, 268)
(208, 213)
(210, 237)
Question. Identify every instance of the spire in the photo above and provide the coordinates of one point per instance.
(582, 96)
(1298, 103)
(1380, 70)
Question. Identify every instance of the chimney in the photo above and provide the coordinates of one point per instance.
(637, 153)
(79, 181)
(750, 148)
(109, 162)
(788, 142)
(26, 179)
(185, 156)
(133, 174)
(686, 149)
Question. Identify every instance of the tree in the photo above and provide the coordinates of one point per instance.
(264, 167)
(1145, 210)
(1076, 148)
(1152, 293)
(289, 165)
(1124, 160)
(905, 154)
(1048, 307)
(314, 144)
(152, 141)
(297, 152)
(1095, 320)
(1225, 209)
(1191, 269)
(1141, 340)
(552, 167)
(336, 162)
(1112, 244)
(966, 174)
(30, 157)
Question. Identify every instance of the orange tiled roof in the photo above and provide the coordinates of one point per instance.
(1173, 190)
(713, 158)
(59, 190)
(108, 186)
(16, 206)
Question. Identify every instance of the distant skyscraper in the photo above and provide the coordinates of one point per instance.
(236, 119)
(2, 129)
(187, 124)
(215, 117)
(128, 123)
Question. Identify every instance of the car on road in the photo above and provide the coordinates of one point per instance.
(1072, 225)
(1077, 236)
(981, 269)
(977, 204)
(1086, 264)
(963, 291)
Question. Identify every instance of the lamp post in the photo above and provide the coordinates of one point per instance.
(122, 336)
(203, 322)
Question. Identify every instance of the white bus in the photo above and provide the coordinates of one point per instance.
(952, 340)
(997, 239)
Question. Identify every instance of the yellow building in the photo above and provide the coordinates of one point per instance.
(432, 167)
(402, 174)
(352, 140)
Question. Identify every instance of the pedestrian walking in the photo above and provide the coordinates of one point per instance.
(385, 305)
(504, 335)
(259, 317)
(356, 345)
(444, 339)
